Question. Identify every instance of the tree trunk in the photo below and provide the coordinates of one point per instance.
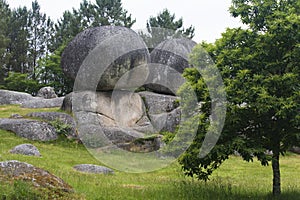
(276, 174)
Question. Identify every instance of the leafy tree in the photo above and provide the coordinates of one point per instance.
(261, 71)
(21, 82)
(4, 39)
(165, 26)
(50, 73)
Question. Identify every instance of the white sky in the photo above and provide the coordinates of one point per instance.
(209, 17)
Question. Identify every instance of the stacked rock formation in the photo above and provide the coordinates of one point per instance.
(109, 64)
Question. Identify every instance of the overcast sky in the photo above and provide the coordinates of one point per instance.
(209, 17)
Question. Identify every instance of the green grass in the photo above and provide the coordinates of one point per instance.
(235, 179)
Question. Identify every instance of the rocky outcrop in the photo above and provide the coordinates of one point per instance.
(53, 116)
(159, 103)
(163, 111)
(106, 118)
(93, 169)
(166, 121)
(105, 54)
(30, 129)
(40, 178)
(67, 103)
(47, 93)
(108, 63)
(27, 100)
(173, 53)
(26, 149)
(96, 130)
(172, 58)
(125, 108)
(12, 97)
(38, 102)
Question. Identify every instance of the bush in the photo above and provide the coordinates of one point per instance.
(61, 128)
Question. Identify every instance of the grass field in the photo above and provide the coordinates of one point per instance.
(235, 179)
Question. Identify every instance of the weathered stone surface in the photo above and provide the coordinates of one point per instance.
(166, 121)
(125, 108)
(30, 129)
(158, 103)
(12, 97)
(143, 145)
(172, 55)
(39, 177)
(96, 135)
(16, 116)
(38, 102)
(93, 169)
(53, 116)
(47, 93)
(110, 51)
(28, 101)
(67, 103)
(144, 125)
(26, 149)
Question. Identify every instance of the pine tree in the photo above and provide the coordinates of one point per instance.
(37, 41)
(163, 27)
(4, 40)
(101, 13)
(18, 35)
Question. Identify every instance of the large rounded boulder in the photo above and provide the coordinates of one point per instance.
(168, 61)
(98, 57)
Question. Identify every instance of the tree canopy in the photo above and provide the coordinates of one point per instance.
(163, 27)
(31, 43)
(260, 69)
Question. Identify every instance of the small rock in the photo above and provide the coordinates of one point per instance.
(47, 93)
(26, 149)
(94, 169)
(16, 116)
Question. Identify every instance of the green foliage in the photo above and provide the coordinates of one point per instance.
(37, 25)
(4, 39)
(22, 83)
(19, 190)
(100, 13)
(167, 20)
(19, 44)
(61, 128)
(260, 69)
(168, 137)
(165, 26)
(235, 179)
(50, 73)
